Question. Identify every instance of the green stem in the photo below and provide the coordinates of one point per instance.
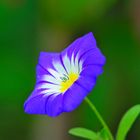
(99, 117)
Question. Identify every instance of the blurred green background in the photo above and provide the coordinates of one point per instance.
(30, 26)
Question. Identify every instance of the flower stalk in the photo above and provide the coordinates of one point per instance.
(91, 105)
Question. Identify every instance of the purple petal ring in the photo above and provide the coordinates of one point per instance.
(64, 79)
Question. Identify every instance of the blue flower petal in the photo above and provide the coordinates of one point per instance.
(82, 59)
(73, 97)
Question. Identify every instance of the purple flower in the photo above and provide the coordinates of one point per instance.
(64, 79)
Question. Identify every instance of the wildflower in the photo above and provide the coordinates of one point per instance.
(64, 79)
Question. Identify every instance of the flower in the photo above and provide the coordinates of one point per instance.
(64, 79)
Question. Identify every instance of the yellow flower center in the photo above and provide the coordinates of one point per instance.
(65, 84)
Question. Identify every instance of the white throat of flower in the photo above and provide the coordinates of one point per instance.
(63, 76)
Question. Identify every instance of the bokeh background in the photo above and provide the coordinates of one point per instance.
(30, 26)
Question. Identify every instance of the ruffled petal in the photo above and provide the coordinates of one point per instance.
(54, 105)
(35, 104)
(92, 70)
(73, 97)
(46, 93)
(40, 104)
(83, 43)
(45, 62)
(77, 92)
(80, 46)
(93, 57)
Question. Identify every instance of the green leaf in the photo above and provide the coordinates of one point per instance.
(127, 121)
(103, 134)
(83, 133)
